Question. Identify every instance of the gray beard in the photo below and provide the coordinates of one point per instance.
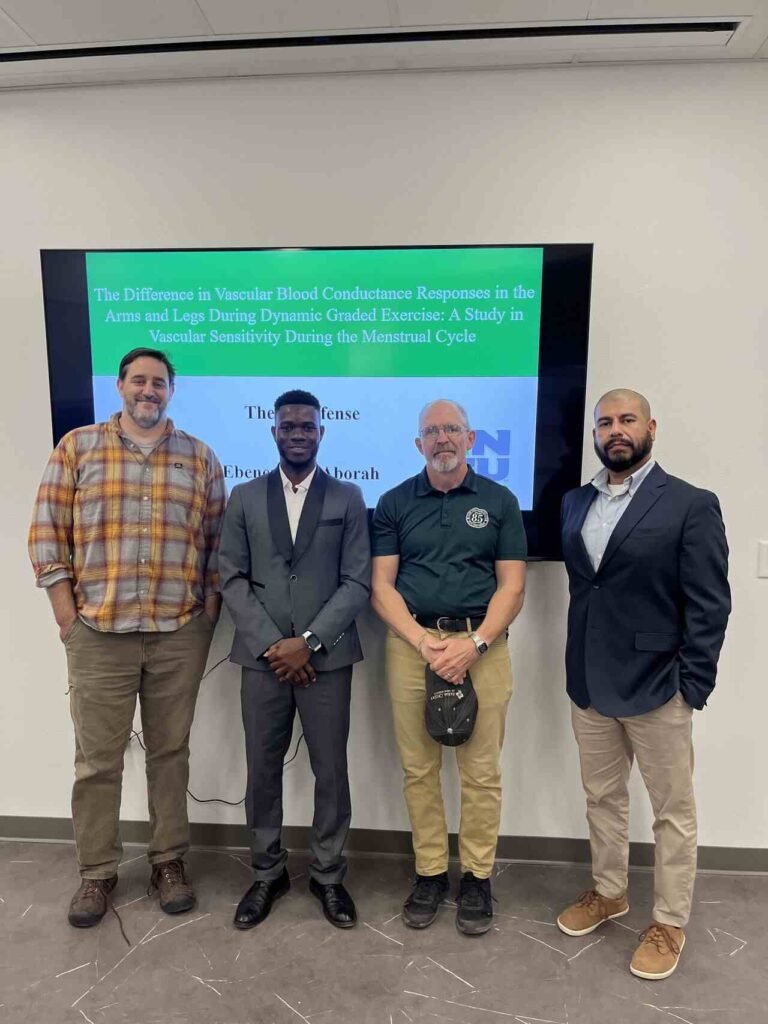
(145, 420)
(445, 462)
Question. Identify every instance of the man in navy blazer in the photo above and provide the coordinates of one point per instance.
(647, 564)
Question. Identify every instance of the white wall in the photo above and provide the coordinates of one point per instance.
(665, 169)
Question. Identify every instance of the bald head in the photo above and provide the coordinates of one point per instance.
(444, 440)
(625, 396)
(444, 407)
(624, 432)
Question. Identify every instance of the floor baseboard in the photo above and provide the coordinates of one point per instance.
(387, 841)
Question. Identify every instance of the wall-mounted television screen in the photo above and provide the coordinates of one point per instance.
(374, 333)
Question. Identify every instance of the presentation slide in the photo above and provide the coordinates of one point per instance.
(375, 334)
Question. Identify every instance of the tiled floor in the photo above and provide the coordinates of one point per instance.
(197, 969)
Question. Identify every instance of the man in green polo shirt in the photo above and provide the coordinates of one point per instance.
(448, 578)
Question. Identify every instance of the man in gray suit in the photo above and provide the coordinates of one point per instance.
(295, 571)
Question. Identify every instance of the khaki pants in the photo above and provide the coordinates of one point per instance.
(661, 741)
(106, 673)
(478, 759)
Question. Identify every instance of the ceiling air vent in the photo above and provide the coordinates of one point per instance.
(582, 36)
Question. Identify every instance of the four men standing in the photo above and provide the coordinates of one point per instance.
(124, 538)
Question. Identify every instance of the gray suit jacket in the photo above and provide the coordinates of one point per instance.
(276, 589)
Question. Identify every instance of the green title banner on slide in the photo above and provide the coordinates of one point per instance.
(454, 312)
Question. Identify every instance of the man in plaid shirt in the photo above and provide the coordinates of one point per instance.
(124, 539)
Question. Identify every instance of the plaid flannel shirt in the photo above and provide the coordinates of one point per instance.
(138, 537)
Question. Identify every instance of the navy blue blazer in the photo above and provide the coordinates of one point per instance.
(651, 620)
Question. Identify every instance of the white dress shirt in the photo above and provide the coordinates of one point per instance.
(610, 504)
(295, 496)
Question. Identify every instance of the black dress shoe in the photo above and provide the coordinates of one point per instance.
(338, 905)
(257, 902)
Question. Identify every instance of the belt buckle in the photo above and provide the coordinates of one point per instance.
(444, 618)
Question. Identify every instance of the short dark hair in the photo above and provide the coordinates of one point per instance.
(151, 353)
(297, 397)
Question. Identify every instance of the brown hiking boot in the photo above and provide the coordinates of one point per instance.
(589, 911)
(659, 951)
(89, 904)
(175, 892)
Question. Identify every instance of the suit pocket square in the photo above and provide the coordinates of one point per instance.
(656, 641)
(330, 522)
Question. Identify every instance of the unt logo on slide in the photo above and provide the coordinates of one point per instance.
(496, 464)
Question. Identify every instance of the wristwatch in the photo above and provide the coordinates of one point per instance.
(479, 643)
(313, 643)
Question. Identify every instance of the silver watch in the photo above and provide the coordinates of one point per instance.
(479, 643)
(313, 642)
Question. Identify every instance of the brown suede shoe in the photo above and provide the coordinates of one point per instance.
(589, 911)
(175, 892)
(658, 953)
(89, 904)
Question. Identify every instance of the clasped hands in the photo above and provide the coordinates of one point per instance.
(451, 658)
(289, 660)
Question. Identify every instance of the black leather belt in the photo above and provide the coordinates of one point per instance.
(449, 624)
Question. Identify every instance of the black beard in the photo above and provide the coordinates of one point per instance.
(624, 462)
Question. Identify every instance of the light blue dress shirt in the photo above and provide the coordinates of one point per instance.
(606, 510)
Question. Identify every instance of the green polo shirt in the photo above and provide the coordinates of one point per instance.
(448, 543)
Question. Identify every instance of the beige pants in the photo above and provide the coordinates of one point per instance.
(478, 759)
(106, 673)
(661, 742)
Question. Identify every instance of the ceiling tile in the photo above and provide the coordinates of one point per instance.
(459, 12)
(11, 35)
(94, 21)
(230, 17)
(639, 9)
(750, 37)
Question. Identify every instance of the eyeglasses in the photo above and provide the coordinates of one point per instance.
(291, 428)
(449, 429)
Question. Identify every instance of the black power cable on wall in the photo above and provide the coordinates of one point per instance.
(218, 799)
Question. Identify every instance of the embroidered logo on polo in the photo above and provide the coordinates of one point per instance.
(477, 518)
